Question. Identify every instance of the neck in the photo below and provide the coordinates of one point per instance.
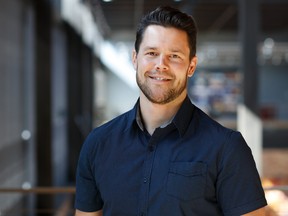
(155, 115)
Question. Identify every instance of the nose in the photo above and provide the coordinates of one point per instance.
(161, 63)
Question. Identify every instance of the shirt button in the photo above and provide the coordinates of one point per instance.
(151, 148)
(145, 180)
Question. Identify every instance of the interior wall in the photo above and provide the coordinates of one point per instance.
(274, 90)
(273, 99)
(12, 147)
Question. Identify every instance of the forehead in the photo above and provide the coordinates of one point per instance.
(162, 37)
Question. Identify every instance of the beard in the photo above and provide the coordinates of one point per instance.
(158, 94)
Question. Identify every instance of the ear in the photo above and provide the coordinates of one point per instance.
(134, 59)
(192, 66)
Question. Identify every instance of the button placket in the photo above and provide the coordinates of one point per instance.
(148, 166)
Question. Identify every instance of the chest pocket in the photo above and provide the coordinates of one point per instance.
(186, 180)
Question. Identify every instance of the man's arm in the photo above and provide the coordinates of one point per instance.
(258, 212)
(80, 213)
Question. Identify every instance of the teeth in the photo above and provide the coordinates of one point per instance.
(160, 79)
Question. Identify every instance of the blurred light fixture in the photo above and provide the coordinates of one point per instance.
(107, 0)
(26, 135)
(26, 186)
(267, 48)
(269, 43)
(118, 62)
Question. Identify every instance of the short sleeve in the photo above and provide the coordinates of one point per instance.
(88, 198)
(239, 188)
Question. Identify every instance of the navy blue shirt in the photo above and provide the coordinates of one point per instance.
(193, 166)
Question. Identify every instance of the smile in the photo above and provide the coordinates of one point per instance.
(159, 78)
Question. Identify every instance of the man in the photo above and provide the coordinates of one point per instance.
(165, 157)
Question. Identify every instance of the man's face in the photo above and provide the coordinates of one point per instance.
(162, 64)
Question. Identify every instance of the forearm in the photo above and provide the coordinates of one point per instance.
(258, 212)
(80, 213)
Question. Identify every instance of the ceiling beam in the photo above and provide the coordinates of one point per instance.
(235, 1)
(223, 19)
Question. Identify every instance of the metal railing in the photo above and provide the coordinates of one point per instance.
(39, 190)
(67, 207)
(64, 208)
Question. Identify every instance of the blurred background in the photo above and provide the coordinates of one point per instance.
(65, 68)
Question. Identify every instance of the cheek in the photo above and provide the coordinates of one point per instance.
(181, 70)
(145, 65)
(145, 62)
(183, 76)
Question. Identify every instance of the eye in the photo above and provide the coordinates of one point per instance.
(174, 56)
(151, 53)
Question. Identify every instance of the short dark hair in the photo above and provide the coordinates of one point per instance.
(168, 17)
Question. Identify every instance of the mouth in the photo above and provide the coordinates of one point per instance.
(159, 78)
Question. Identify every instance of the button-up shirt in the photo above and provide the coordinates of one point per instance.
(193, 166)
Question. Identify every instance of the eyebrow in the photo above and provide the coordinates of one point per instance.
(172, 50)
(149, 48)
(177, 51)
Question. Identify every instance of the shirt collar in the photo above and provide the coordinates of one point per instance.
(139, 118)
(184, 116)
(181, 120)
